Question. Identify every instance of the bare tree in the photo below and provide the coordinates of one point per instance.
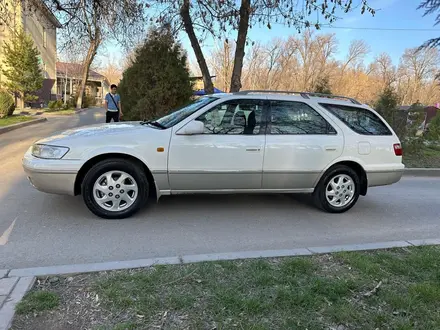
(301, 62)
(90, 23)
(9, 16)
(12, 12)
(431, 7)
(219, 17)
(221, 60)
(356, 53)
(253, 65)
(112, 71)
(188, 24)
(416, 67)
(383, 66)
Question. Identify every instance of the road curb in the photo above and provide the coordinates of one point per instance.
(140, 263)
(430, 172)
(55, 114)
(20, 125)
(49, 114)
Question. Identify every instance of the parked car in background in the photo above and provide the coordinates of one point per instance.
(332, 147)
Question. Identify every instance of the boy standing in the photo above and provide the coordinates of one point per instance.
(113, 105)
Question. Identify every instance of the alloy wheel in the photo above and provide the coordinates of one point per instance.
(340, 191)
(115, 191)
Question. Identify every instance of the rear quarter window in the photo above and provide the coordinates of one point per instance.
(360, 120)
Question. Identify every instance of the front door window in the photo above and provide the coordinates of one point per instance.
(234, 117)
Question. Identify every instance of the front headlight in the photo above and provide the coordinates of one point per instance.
(48, 152)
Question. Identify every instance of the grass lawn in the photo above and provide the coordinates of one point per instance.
(428, 157)
(13, 120)
(387, 289)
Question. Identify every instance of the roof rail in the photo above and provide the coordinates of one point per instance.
(305, 95)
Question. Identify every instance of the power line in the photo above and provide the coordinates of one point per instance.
(376, 29)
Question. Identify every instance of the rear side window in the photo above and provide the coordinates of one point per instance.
(360, 120)
(289, 117)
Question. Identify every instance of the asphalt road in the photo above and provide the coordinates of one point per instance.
(56, 230)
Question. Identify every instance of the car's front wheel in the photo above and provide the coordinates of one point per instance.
(338, 190)
(115, 188)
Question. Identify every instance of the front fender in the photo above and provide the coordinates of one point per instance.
(159, 177)
(95, 152)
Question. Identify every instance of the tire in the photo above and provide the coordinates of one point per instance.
(348, 200)
(116, 203)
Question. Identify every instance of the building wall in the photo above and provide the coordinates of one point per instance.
(198, 84)
(44, 35)
(11, 13)
(42, 31)
(96, 89)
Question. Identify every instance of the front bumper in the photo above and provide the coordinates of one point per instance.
(55, 176)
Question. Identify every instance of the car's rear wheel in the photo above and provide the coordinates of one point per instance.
(338, 190)
(115, 189)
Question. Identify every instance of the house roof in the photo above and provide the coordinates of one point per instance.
(199, 77)
(49, 14)
(424, 107)
(74, 70)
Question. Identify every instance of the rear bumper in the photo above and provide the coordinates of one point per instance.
(51, 176)
(385, 177)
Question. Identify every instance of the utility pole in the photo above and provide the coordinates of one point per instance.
(65, 86)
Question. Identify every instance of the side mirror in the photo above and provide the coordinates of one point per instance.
(192, 128)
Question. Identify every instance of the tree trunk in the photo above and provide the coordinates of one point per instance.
(243, 26)
(22, 101)
(188, 24)
(91, 52)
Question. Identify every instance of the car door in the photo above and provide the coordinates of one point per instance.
(229, 153)
(300, 143)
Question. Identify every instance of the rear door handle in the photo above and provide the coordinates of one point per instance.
(330, 148)
(254, 149)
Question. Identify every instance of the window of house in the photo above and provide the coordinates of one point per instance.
(360, 120)
(44, 38)
(234, 117)
(288, 117)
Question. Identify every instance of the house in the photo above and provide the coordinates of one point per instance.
(69, 76)
(430, 112)
(35, 18)
(198, 82)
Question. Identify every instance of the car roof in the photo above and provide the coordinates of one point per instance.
(293, 96)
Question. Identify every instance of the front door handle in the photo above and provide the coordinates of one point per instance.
(254, 149)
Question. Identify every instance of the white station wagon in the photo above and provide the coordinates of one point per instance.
(247, 142)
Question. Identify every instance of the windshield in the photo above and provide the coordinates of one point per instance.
(179, 115)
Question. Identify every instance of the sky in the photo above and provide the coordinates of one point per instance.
(397, 25)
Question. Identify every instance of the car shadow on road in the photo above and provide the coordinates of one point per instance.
(263, 205)
(184, 204)
(201, 206)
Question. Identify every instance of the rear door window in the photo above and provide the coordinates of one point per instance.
(360, 120)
